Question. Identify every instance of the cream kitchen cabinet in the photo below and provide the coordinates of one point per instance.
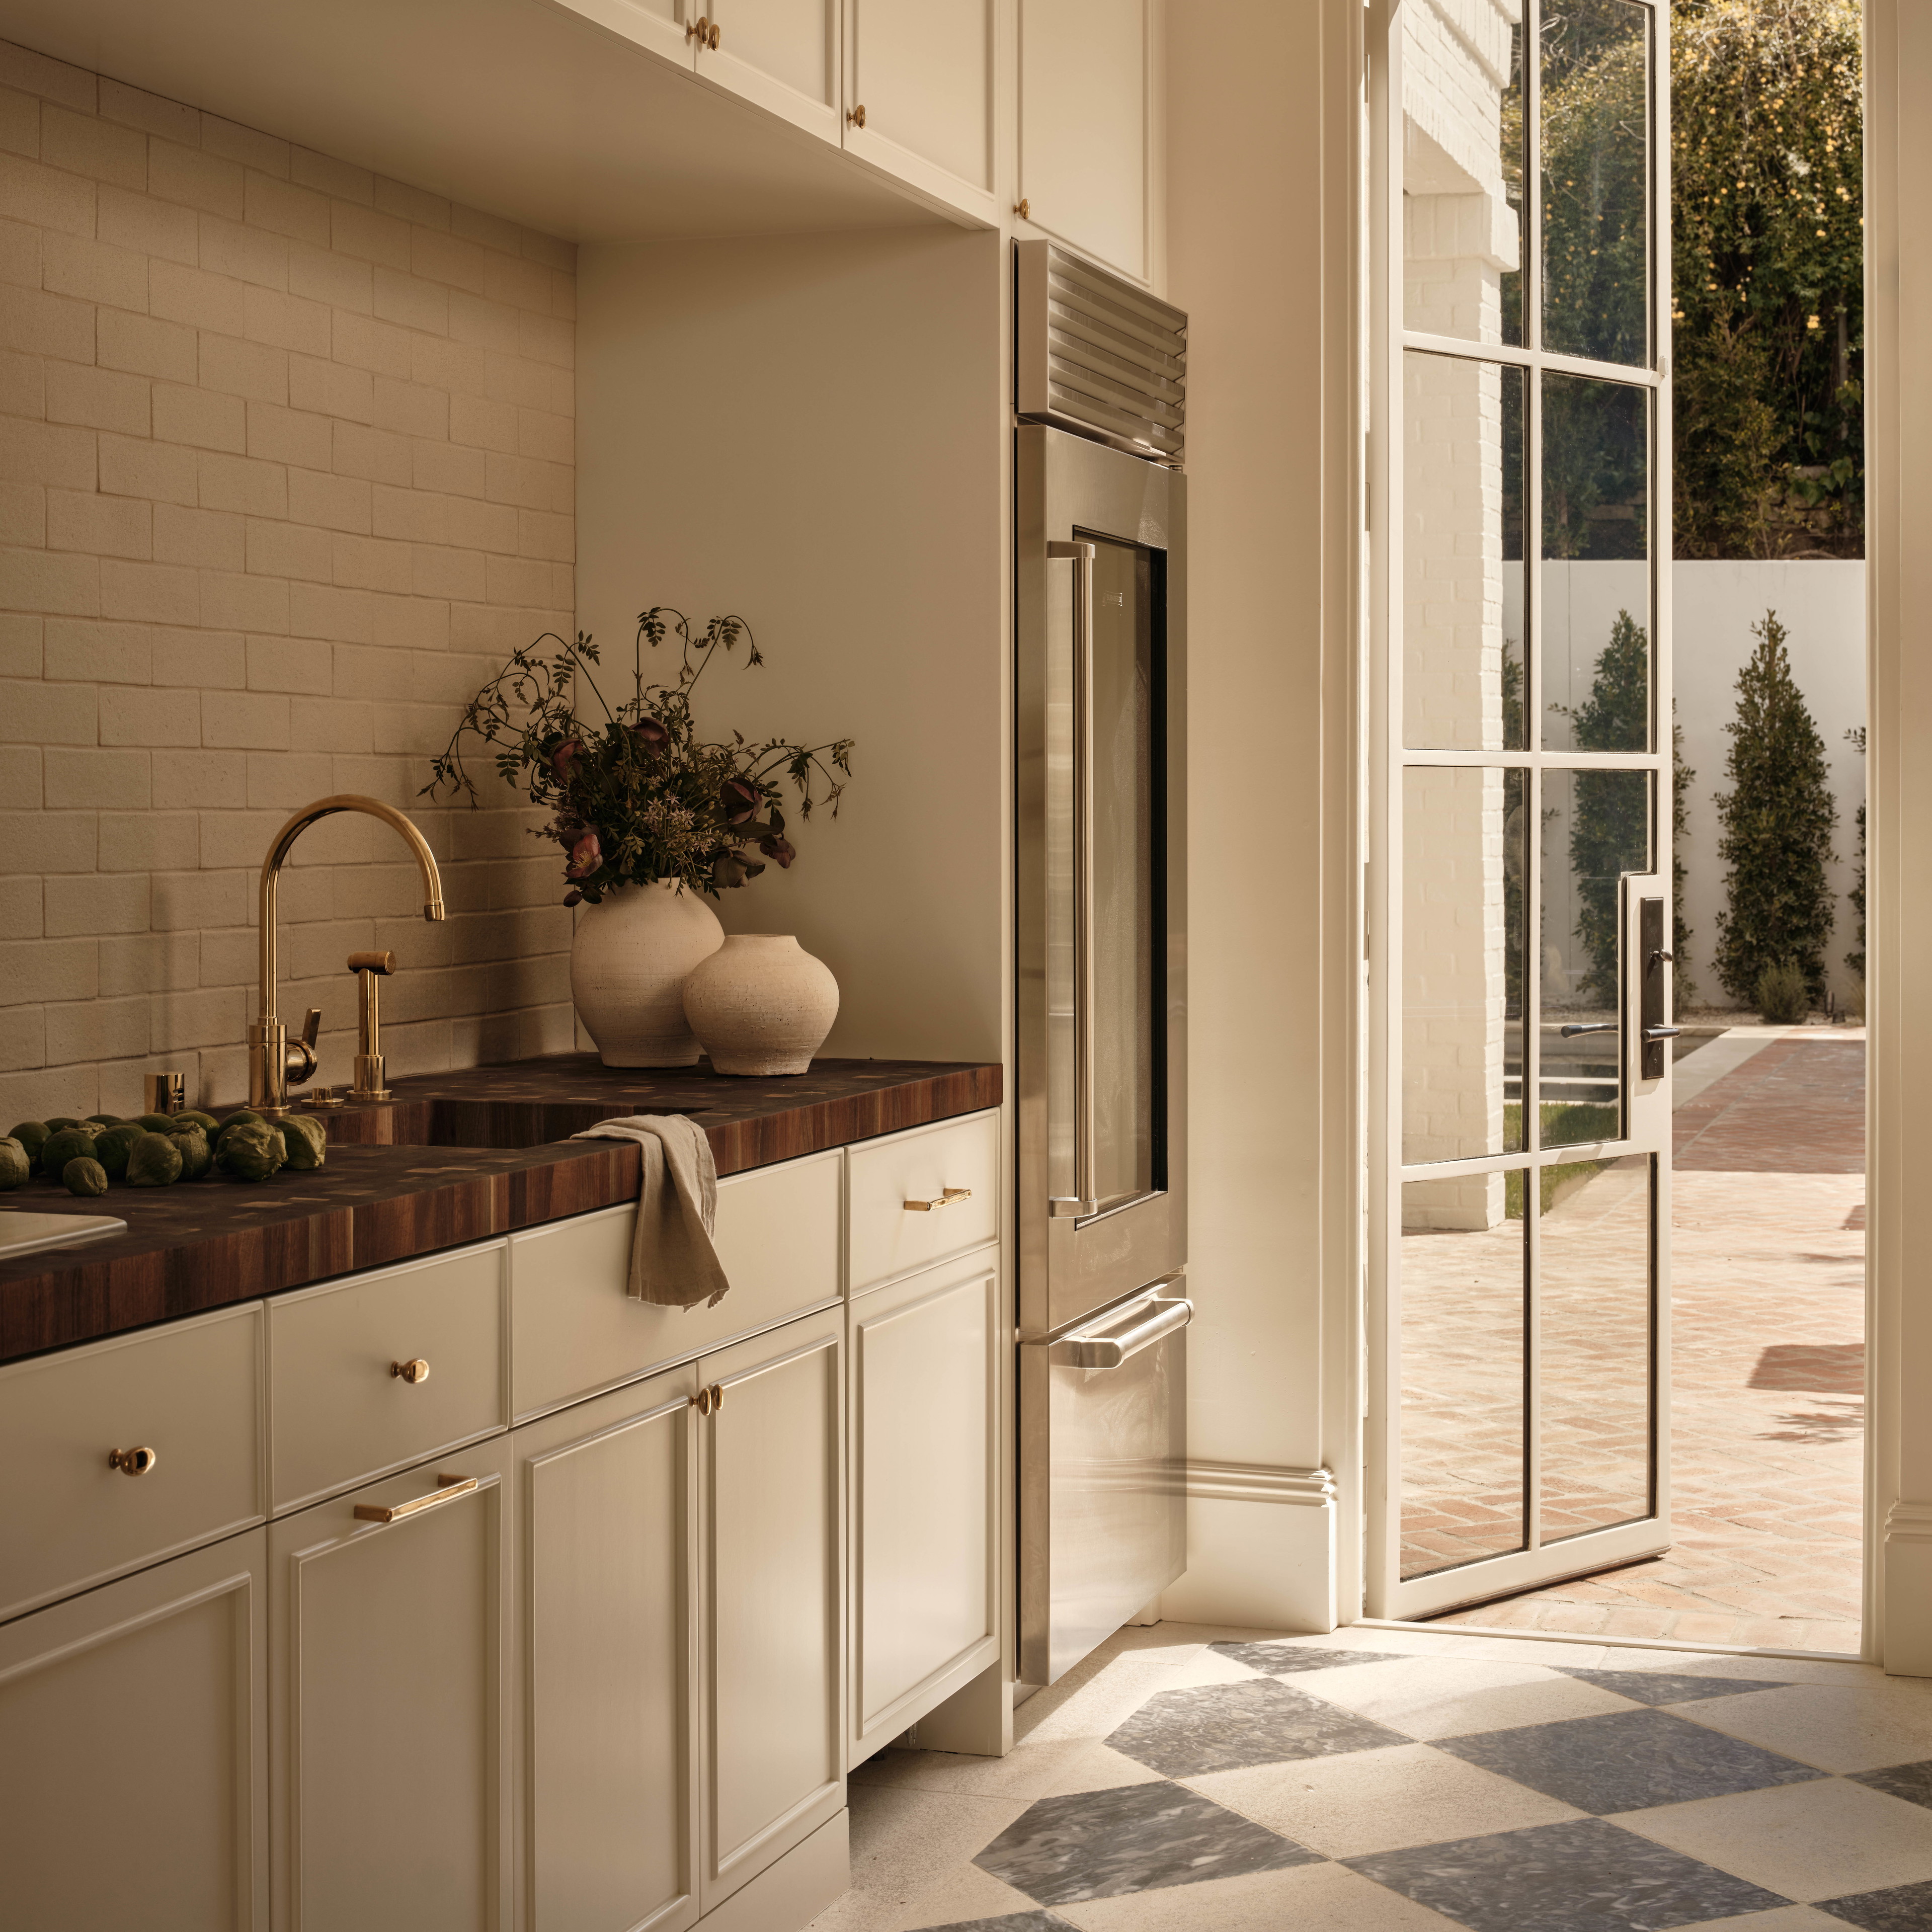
(920, 97)
(780, 55)
(925, 1375)
(1088, 127)
(388, 1644)
(606, 1515)
(770, 1596)
(134, 1734)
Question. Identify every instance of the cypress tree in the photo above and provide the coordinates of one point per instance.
(1610, 825)
(1777, 820)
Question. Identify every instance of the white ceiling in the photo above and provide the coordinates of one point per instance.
(514, 106)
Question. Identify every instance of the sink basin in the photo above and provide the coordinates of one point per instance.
(468, 1123)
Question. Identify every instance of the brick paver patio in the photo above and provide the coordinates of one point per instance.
(1767, 1372)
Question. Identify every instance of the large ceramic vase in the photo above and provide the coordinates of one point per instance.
(761, 1004)
(627, 966)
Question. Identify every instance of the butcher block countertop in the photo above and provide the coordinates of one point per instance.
(451, 1158)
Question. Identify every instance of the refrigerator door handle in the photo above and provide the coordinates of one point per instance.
(1083, 1200)
(1109, 1348)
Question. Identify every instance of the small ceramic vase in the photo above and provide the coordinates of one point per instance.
(628, 965)
(761, 1004)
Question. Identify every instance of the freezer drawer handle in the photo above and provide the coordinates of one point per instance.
(1105, 1351)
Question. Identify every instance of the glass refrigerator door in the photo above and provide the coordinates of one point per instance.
(1105, 926)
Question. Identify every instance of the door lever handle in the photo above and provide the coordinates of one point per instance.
(1661, 1032)
(1602, 1026)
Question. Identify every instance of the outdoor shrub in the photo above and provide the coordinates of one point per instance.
(1610, 830)
(1781, 998)
(1777, 820)
(1855, 959)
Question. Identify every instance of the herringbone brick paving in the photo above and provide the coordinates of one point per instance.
(1767, 1372)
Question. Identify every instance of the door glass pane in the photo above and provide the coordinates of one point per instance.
(1462, 174)
(1462, 555)
(1462, 957)
(1595, 570)
(1125, 919)
(1595, 155)
(1595, 827)
(1594, 1349)
(1463, 1366)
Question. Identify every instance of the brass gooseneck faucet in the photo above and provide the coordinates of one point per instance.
(275, 1062)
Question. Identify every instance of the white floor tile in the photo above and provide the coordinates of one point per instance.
(1450, 1697)
(1808, 1841)
(902, 1842)
(1861, 1726)
(1379, 1801)
(1785, 1918)
(1043, 1769)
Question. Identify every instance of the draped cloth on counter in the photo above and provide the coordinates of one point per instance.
(673, 1263)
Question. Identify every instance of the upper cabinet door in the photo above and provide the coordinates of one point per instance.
(666, 28)
(1086, 126)
(920, 94)
(782, 55)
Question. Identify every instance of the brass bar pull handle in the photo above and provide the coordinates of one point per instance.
(132, 1461)
(944, 1198)
(1085, 1199)
(448, 1489)
(411, 1372)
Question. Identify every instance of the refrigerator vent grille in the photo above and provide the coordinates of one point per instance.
(1097, 356)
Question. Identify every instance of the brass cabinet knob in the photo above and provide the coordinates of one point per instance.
(857, 116)
(709, 1399)
(131, 1462)
(1023, 208)
(411, 1372)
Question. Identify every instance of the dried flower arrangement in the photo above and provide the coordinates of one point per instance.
(640, 797)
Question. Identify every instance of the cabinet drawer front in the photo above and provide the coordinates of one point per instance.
(341, 1413)
(573, 1330)
(191, 1394)
(888, 1238)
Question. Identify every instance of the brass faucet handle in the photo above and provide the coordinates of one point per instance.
(372, 962)
(311, 1027)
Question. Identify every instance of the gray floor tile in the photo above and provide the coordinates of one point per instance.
(1910, 1781)
(1226, 1726)
(1903, 1908)
(1670, 1687)
(1627, 1761)
(1586, 1875)
(1284, 1660)
(1014, 1921)
(1103, 1844)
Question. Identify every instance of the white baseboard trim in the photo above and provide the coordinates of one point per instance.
(1259, 1482)
(1251, 1562)
(1906, 1572)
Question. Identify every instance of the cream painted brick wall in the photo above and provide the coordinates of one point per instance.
(286, 466)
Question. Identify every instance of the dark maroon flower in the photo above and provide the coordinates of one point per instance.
(651, 736)
(585, 855)
(740, 800)
(776, 846)
(563, 759)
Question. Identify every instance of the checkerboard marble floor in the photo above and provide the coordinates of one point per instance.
(1394, 1781)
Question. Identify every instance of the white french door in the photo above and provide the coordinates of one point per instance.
(1520, 880)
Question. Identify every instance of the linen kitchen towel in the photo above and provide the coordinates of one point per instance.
(673, 1263)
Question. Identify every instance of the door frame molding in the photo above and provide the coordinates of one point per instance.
(1898, 993)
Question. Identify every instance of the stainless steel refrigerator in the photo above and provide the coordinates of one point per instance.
(1101, 926)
